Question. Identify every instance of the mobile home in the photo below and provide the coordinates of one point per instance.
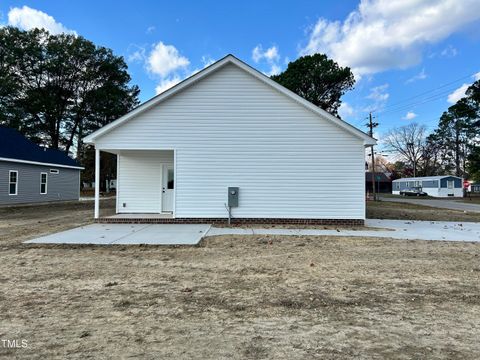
(436, 186)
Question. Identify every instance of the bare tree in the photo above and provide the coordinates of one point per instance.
(409, 142)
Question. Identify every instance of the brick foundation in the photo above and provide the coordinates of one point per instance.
(235, 221)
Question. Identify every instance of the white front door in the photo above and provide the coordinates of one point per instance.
(168, 186)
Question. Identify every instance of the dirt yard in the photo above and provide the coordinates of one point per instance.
(262, 297)
(404, 211)
(22, 222)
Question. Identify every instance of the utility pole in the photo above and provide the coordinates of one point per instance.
(411, 146)
(371, 125)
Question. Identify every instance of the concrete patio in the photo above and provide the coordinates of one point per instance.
(128, 234)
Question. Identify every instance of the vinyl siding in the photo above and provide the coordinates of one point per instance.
(456, 192)
(400, 185)
(62, 186)
(430, 184)
(231, 129)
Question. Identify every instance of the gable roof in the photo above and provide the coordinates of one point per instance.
(229, 59)
(426, 178)
(15, 147)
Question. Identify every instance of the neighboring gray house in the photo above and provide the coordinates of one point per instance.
(437, 186)
(30, 173)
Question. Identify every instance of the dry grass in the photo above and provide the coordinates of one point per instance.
(473, 199)
(252, 297)
(406, 211)
(29, 221)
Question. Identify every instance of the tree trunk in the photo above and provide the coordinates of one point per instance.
(79, 141)
(457, 152)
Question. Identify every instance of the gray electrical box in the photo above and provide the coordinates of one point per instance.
(233, 196)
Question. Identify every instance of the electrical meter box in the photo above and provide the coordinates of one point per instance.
(233, 196)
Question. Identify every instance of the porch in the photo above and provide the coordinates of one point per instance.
(145, 185)
(147, 218)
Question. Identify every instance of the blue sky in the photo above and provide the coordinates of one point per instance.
(398, 49)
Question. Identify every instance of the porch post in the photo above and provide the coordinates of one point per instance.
(97, 183)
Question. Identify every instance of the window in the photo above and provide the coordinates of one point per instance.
(13, 182)
(43, 183)
(54, 171)
(450, 184)
(170, 180)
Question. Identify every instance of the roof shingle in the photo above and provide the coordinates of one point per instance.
(14, 145)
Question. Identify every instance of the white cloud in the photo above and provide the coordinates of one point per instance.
(420, 76)
(167, 83)
(409, 116)
(449, 51)
(138, 55)
(207, 61)
(166, 63)
(150, 29)
(386, 34)
(27, 18)
(379, 93)
(165, 59)
(271, 54)
(274, 70)
(459, 93)
(345, 110)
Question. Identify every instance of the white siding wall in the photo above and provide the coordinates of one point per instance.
(139, 185)
(431, 191)
(445, 192)
(231, 129)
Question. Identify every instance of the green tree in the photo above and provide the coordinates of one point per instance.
(56, 89)
(473, 166)
(431, 163)
(317, 79)
(455, 136)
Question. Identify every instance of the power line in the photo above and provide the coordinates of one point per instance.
(430, 91)
(457, 113)
(421, 102)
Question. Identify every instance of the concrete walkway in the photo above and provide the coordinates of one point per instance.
(176, 234)
(128, 234)
(92, 198)
(440, 203)
(396, 229)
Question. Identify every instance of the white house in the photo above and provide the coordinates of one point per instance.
(231, 126)
(436, 186)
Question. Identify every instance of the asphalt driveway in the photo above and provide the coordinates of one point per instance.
(437, 203)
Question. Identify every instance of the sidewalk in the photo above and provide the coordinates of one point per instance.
(397, 229)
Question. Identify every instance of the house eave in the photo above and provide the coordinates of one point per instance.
(41, 163)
